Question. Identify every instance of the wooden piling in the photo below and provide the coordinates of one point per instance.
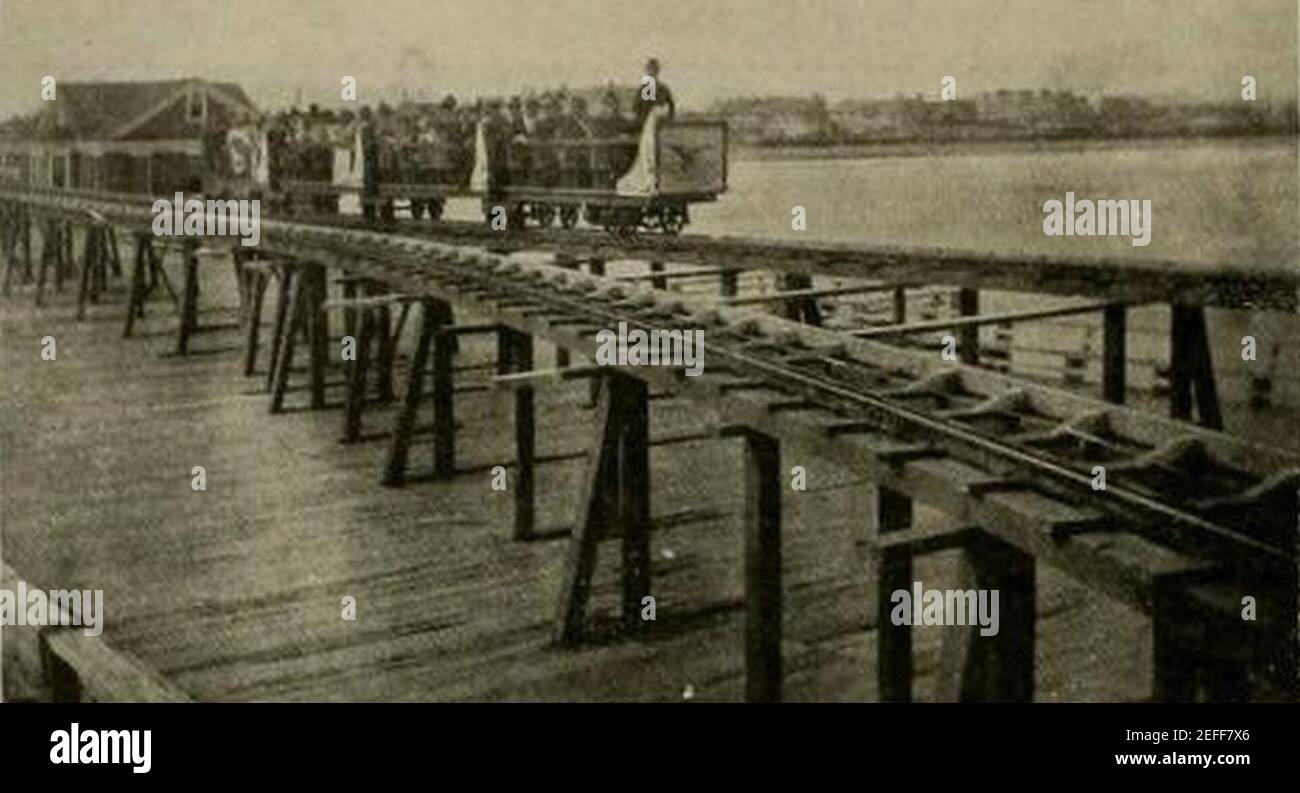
(763, 586)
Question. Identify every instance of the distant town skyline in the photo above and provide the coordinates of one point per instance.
(1195, 50)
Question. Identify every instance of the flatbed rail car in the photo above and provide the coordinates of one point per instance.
(621, 183)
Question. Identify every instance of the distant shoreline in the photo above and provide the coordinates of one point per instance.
(858, 151)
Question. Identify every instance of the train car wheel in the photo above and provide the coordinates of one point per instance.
(544, 213)
(568, 216)
(435, 206)
(417, 210)
(672, 219)
(386, 212)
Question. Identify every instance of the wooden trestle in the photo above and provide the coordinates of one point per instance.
(1003, 521)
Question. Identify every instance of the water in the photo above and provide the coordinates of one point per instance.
(1214, 202)
(1220, 203)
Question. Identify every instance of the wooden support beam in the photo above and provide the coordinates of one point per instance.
(288, 275)
(633, 405)
(800, 294)
(49, 244)
(256, 283)
(536, 377)
(515, 354)
(1114, 359)
(189, 316)
(967, 322)
(657, 275)
(386, 354)
(616, 489)
(659, 282)
(444, 395)
(1175, 659)
(318, 341)
(1191, 368)
(25, 239)
(404, 423)
(136, 301)
(357, 379)
(889, 571)
(595, 505)
(89, 254)
(287, 333)
(763, 586)
(1181, 332)
(999, 667)
(900, 305)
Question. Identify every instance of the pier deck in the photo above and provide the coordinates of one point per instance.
(235, 593)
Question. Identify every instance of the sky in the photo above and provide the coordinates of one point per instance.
(281, 49)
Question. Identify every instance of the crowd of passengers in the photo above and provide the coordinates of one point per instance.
(552, 139)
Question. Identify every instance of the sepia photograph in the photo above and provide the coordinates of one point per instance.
(600, 351)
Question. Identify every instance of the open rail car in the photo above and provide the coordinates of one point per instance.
(624, 183)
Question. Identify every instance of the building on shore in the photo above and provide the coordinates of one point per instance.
(149, 137)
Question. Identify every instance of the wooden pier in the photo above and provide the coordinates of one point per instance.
(762, 592)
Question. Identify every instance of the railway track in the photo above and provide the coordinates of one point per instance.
(1209, 512)
(1129, 280)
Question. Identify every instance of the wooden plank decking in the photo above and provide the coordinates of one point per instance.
(235, 593)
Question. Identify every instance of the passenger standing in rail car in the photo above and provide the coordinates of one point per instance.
(663, 96)
(369, 163)
(497, 133)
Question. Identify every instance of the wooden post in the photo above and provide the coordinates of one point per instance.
(288, 333)
(900, 305)
(1114, 353)
(1207, 397)
(763, 588)
(357, 377)
(516, 355)
(658, 283)
(386, 353)
(87, 274)
(729, 283)
(317, 332)
(287, 276)
(1191, 369)
(633, 400)
(968, 340)
(1000, 667)
(189, 305)
(256, 290)
(49, 231)
(1174, 660)
(593, 514)
(62, 252)
(1180, 363)
(25, 230)
(891, 511)
(135, 305)
(444, 397)
(114, 255)
(616, 485)
(404, 424)
(8, 236)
